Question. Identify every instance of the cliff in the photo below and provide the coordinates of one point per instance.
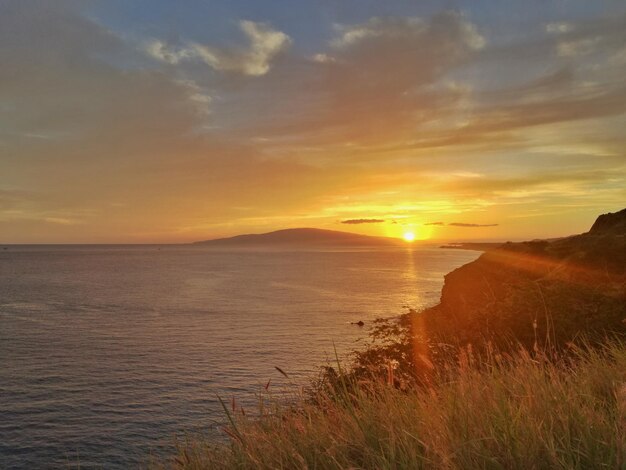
(540, 292)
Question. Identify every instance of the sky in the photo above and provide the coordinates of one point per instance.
(154, 121)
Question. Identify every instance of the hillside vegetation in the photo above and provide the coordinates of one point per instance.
(493, 412)
(549, 291)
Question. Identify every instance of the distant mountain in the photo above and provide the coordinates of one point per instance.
(302, 237)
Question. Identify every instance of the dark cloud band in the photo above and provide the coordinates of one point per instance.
(362, 221)
(460, 224)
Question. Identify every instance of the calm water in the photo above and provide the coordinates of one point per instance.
(107, 353)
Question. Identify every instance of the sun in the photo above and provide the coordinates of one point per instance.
(408, 236)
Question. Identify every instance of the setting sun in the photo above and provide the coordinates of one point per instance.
(408, 236)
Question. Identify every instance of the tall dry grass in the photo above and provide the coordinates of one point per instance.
(515, 412)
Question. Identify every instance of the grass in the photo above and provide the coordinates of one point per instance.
(496, 412)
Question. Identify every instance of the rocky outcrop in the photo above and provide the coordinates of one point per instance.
(610, 223)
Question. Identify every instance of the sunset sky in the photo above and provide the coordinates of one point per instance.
(174, 121)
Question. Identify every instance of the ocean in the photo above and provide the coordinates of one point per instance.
(108, 353)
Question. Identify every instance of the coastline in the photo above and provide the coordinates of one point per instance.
(441, 388)
(473, 246)
(485, 343)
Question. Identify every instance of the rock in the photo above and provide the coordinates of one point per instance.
(613, 222)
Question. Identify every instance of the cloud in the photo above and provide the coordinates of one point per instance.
(59, 80)
(60, 221)
(567, 74)
(130, 147)
(265, 44)
(125, 133)
(377, 28)
(323, 58)
(376, 81)
(386, 86)
(161, 51)
(559, 27)
(460, 224)
(587, 36)
(362, 221)
(577, 48)
(499, 124)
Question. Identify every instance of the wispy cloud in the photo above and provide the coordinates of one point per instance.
(411, 27)
(362, 221)
(265, 43)
(461, 224)
(434, 223)
(376, 81)
(60, 220)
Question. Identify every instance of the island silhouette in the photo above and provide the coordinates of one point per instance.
(303, 237)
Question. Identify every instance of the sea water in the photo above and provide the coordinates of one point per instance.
(108, 353)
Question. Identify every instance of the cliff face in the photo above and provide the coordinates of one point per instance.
(543, 291)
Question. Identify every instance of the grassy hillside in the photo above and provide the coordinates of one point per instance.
(550, 292)
(483, 412)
